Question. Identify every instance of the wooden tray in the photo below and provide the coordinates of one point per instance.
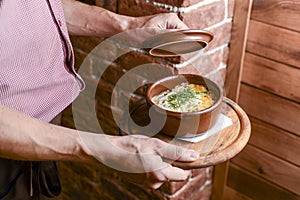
(217, 148)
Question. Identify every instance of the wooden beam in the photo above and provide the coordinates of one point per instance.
(241, 17)
(237, 47)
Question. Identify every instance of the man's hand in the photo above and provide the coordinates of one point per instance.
(139, 158)
(163, 21)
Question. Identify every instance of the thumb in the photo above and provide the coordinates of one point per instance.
(174, 152)
(189, 155)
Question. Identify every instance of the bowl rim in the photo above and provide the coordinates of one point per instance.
(176, 113)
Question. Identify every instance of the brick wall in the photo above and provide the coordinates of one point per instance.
(86, 182)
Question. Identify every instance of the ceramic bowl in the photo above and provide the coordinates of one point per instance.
(180, 124)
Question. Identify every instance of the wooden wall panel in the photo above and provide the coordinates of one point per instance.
(270, 168)
(272, 76)
(271, 108)
(275, 43)
(230, 194)
(254, 187)
(277, 12)
(238, 40)
(275, 141)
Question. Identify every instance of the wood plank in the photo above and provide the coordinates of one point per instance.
(219, 180)
(240, 24)
(239, 36)
(275, 43)
(272, 76)
(271, 108)
(255, 187)
(269, 167)
(275, 140)
(230, 194)
(277, 12)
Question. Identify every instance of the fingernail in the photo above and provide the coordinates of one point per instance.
(194, 154)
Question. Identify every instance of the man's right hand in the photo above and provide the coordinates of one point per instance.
(140, 158)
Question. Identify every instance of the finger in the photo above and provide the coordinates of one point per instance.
(155, 186)
(181, 25)
(174, 152)
(167, 174)
(188, 155)
(152, 162)
(175, 23)
(175, 174)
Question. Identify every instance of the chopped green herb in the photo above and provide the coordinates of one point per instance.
(182, 96)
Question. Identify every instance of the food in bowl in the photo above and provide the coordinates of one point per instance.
(186, 97)
(181, 123)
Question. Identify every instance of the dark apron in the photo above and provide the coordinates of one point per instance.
(22, 180)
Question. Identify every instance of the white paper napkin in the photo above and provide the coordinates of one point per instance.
(222, 122)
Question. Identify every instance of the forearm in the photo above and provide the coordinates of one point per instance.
(25, 138)
(83, 19)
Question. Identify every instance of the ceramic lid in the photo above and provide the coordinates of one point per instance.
(175, 43)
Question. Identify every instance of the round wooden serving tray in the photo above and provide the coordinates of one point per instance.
(217, 148)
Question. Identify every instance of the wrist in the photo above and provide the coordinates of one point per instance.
(93, 147)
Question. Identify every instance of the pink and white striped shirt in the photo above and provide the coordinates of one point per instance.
(37, 73)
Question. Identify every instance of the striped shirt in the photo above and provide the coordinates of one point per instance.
(37, 75)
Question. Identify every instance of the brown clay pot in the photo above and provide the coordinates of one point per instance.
(178, 124)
